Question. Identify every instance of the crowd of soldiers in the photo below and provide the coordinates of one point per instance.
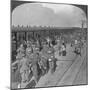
(35, 59)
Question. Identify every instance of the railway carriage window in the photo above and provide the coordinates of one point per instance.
(29, 35)
(17, 36)
(20, 36)
(26, 36)
(38, 35)
(35, 34)
(23, 35)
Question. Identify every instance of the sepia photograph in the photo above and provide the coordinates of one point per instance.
(49, 44)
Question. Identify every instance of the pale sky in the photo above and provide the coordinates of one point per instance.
(44, 14)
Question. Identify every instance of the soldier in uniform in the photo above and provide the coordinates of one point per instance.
(24, 63)
(16, 64)
(29, 56)
(33, 57)
(20, 55)
(51, 59)
(35, 66)
(24, 69)
(49, 53)
(44, 65)
(63, 49)
(77, 48)
(57, 47)
(29, 50)
(20, 52)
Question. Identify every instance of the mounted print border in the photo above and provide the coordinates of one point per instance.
(49, 44)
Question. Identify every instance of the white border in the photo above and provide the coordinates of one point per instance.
(5, 44)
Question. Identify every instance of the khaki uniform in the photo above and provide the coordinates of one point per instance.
(21, 49)
(48, 53)
(78, 47)
(20, 53)
(24, 69)
(43, 63)
(51, 59)
(63, 49)
(35, 59)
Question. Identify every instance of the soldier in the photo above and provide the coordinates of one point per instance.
(35, 57)
(24, 70)
(49, 53)
(21, 49)
(43, 63)
(44, 58)
(76, 46)
(63, 49)
(29, 56)
(29, 50)
(24, 65)
(58, 47)
(20, 52)
(33, 47)
(51, 59)
(16, 64)
(20, 55)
